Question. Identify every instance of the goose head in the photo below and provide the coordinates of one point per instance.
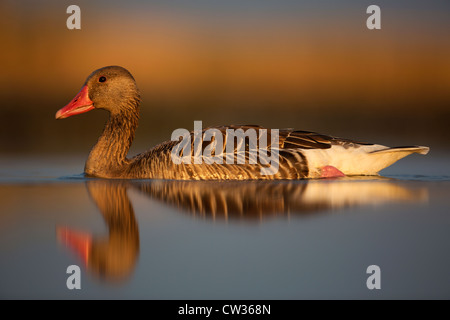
(110, 88)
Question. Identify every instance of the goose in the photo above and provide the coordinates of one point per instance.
(301, 154)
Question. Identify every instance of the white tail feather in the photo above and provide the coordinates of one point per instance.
(364, 160)
(386, 157)
(408, 150)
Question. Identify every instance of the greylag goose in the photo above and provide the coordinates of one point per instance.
(300, 154)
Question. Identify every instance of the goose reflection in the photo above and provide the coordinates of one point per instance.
(258, 200)
(113, 256)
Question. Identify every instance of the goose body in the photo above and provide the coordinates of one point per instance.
(302, 154)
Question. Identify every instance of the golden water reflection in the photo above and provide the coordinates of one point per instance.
(113, 257)
(257, 200)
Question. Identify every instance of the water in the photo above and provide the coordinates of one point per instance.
(231, 240)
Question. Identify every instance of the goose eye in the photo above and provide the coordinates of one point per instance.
(102, 79)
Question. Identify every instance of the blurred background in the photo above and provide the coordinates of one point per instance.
(310, 65)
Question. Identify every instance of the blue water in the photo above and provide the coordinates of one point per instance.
(223, 240)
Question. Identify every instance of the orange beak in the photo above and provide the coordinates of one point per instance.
(80, 104)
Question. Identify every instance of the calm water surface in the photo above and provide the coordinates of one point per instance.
(227, 240)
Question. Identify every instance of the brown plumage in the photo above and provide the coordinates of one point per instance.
(114, 89)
